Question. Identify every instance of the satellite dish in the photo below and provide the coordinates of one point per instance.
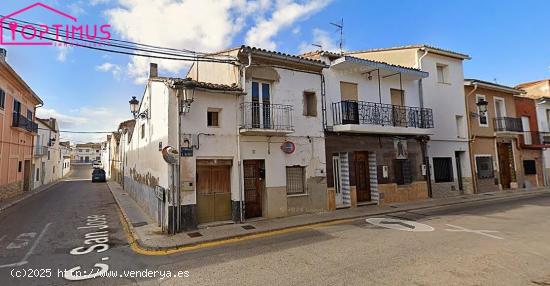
(170, 155)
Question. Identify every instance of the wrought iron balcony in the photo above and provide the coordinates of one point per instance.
(266, 118)
(508, 124)
(40, 151)
(535, 138)
(360, 112)
(22, 122)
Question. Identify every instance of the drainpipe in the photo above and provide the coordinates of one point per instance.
(471, 139)
(239, 163)
(420, 88)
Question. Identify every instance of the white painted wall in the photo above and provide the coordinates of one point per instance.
(48, 168)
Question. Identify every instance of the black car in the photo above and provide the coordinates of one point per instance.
(98, 175)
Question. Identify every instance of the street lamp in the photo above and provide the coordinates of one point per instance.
(482, 106)
(134, 106)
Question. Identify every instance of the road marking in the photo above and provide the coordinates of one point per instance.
(21, 240)
(481, 231)
(31, 250)
(399, 224)
(2, 238)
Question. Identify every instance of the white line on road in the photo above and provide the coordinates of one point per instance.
(33, 247)
(2, 238)
(481, 231)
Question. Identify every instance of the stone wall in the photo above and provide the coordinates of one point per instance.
(393, 193)
(10, 190)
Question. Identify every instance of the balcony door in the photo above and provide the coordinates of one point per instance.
(261, 101)
(399, 112)
(527, 139)
(349, 105)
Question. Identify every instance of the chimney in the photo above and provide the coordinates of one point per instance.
(153, 70)
(3, 54)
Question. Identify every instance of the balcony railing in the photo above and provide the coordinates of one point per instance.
(21, 121)
(40, 151)
(266, 116)
(510, 124)
(360, 112)
(528, 138)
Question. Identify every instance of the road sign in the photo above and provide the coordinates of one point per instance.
(399, 224)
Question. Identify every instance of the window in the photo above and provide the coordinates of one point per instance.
(16, 106)
(310, 104)
(48, 154)
(143, 130)
(2, 98)
(87, 150)
(402, 170)
(212, 119)
(29, 115)
(295, 180)
(442, 71)
(484, 166)
(482, 118)
(460, 127)
(20, 167)
(54, 169)
(529, 167)
(37, 174)
(443, 169)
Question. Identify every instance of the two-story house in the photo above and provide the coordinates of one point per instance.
(87, 152)
(376, 131)
(18, 104)
(48, 159)
(494, 131)
(442, 91)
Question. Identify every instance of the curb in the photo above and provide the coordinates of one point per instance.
(29, 195)
(138, 246)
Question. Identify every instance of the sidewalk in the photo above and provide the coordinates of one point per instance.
(147, 235)
(25, 195)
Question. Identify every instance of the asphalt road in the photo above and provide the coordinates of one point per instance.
(483, 243)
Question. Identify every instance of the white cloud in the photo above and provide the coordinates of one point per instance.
(322, 38)
(285, 14)
(110, 67)
(85, 119)
(202, 25)
(62, 52)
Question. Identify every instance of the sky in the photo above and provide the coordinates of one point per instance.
(86, 90)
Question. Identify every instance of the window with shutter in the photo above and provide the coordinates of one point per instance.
(529, 167)
(443, 169)
(485, 167)
(403, 172)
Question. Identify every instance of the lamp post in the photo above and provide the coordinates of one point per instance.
(134, 106)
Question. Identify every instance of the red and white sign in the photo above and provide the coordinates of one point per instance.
(288, 147)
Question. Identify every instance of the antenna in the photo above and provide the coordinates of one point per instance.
(318, 46)
(340, 28)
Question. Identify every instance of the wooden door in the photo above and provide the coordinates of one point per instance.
(253, 187)
(504, 162)
(27, 176)
(362, 182)
(213, 192)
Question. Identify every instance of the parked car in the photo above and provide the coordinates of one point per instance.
(96, 165)
(98, 175)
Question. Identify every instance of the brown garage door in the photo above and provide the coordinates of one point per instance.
(213, 190)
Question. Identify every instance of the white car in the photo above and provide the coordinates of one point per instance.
(96, 165)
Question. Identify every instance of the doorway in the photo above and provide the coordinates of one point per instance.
(213, 190)
(254, 175)
(505, 163)
(336, 170)
(362, 181)
(459, 169)
(27, 176)
(399, 113)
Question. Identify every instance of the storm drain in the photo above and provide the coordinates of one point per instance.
(248, 227)
(194, 234)
(138, 224)
(489, 194)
